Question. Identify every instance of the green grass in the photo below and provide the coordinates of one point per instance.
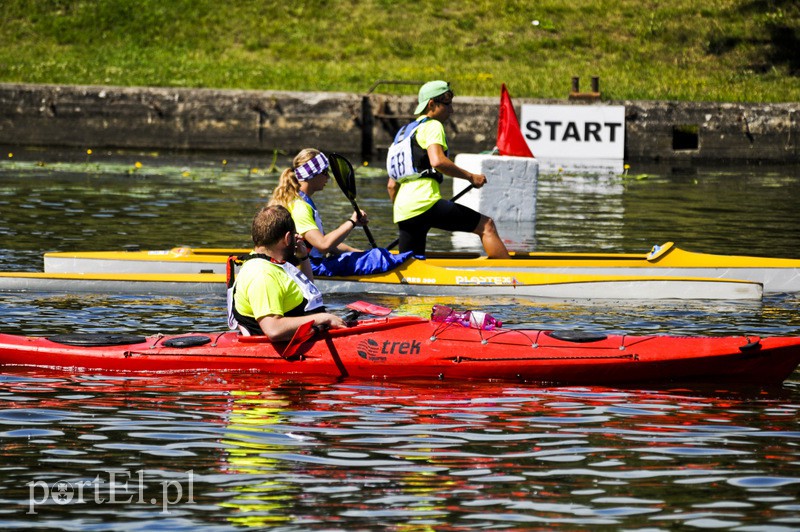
(717, 50)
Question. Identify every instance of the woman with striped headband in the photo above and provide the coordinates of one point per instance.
(309, 174)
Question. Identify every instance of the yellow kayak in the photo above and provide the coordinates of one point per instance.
(667, 260)
(186, 270)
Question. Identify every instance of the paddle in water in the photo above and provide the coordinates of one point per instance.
(301, 335)
(345, 177)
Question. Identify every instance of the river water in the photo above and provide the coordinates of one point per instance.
(121, 452)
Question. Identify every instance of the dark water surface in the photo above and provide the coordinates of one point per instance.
(218, 451)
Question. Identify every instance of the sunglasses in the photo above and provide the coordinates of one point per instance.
(445, 99)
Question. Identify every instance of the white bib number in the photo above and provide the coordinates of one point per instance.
(399, 161)
(310, 292)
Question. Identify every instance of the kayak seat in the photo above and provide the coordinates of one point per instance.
(186, 341)
(580, 337)
(97, 339)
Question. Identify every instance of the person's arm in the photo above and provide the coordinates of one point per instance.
(392, 187)
(264, 294)
(282, 328)
(301, 254)
(344, 248)
(330, 241)
(443, 164)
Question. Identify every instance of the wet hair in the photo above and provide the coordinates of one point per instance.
(271, 224)
(288, 188)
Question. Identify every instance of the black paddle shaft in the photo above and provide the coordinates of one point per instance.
(454, 198)
(344, 175)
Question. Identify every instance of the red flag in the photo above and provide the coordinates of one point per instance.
(509, 135)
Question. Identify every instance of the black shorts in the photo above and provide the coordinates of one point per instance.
(444, 214)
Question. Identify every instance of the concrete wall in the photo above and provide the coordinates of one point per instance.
(260, 121)
(177, 119)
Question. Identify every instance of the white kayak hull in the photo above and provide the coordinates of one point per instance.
(563, 287)
(775, 274)
(773, 279)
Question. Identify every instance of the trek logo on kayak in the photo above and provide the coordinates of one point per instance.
(120, 487)
(375, 351)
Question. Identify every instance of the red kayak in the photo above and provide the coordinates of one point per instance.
(416, 348)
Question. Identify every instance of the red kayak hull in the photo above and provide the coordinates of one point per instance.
(414, 348)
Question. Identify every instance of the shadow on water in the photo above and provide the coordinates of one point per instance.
(246, 450)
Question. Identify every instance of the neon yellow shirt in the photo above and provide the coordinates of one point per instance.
(264, 289)
(303, 216)
(418, 195)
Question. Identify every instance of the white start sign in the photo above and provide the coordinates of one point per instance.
(575, 131)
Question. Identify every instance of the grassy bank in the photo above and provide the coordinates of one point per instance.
(719, 50)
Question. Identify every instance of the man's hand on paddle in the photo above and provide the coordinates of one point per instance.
(328, 320)
(282, 328)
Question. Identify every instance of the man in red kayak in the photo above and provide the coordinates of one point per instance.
(274, 292)
(416, 161)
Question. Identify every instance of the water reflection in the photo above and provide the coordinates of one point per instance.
(316, 453)
(301, 454)
(746, 211)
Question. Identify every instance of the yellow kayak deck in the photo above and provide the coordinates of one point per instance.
(186, 270)
(667, 260)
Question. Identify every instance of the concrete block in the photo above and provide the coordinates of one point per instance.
(510, 191)
(509, 198)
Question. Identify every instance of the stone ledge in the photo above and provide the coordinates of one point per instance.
(262, 121)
